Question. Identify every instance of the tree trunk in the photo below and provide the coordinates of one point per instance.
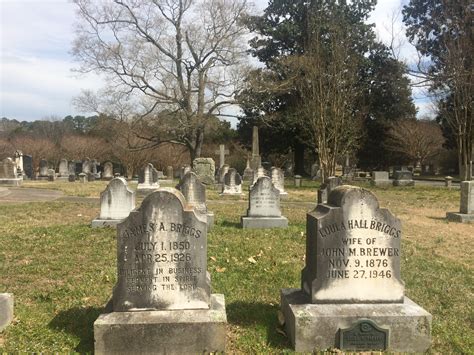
(299, 158)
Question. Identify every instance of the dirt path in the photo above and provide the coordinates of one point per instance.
(23, 195)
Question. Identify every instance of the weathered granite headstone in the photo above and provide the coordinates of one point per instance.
(43, 169)
(162, 302)
(403, 178)
(86, 166)
(327, 187)
(222, 153)
(466, 211)
(116, 202)
(256, 159)
(352, 294)
(380, 178)
(278, 180)
(205, 170)
(222, 171)
(232, 183)
(28, 166)
(6, 310)
(108, 172)
(194, 191)
(148, 179)
(8, 173)
(264, 206)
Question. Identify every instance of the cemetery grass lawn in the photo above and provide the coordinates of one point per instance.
(61, 271)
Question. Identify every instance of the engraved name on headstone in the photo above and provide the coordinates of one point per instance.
(162, 256)
(352, 244)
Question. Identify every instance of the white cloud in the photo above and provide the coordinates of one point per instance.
(35, 64)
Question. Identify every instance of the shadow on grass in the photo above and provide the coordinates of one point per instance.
(231, 224)
(246, 314)
(80, 323)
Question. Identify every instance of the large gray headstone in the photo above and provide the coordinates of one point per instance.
(28, 166)
(264, 199)
(380, 178)
(467, 197)
(205, 170)
(162, 256)
(352, 250)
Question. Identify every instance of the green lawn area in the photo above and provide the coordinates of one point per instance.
(62, 272)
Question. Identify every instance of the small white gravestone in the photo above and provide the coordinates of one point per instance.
(108, 171)
(116, 203)
(264, 206)
(63, 168)
(162, 301)
(352, 294)
(232, 184)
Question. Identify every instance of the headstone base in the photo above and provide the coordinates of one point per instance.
(43, 178)
(263, 222)
(11, 182)
(460, 217)
(166, 182)
(163, 332)
(316, 326)
(62, 178)
(103, 223)
(6, 310)
(381, 183)
(284, 195)
(403, 182)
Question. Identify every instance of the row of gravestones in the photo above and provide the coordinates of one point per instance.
(351, 295)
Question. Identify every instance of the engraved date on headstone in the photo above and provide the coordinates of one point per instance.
(364, 335)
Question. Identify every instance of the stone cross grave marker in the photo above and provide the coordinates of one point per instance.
(264, 206)
(116, 202)
(222, 152)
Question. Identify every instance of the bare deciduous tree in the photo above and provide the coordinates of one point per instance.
(175, 62)
(418, 140)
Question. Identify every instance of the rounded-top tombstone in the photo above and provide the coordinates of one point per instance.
(162, 256)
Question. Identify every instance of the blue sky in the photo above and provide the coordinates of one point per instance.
(36, 80)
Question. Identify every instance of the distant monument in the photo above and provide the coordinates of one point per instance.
(352, 295)
(256, 159)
